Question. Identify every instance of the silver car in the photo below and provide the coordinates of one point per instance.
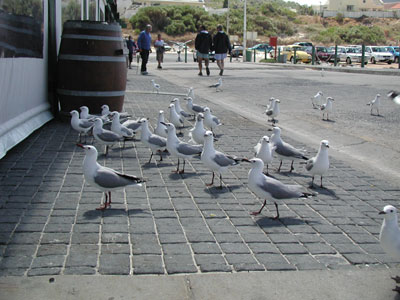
(379, 54)
(352, 54)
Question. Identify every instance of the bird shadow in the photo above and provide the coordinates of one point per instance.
(293, 173)
(216, 190)
(397, 297)
(265, 222)
(378, 116)
(323, 190)
(178, 176)
(158, 164)
(218, 135)
(331, 121)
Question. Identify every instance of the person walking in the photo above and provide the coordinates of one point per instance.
(159, 45)
(144, 44)
(131, 45)
(221, 45)
(203, 44)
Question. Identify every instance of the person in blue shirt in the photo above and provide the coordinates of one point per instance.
(144, 45)
(130, 43)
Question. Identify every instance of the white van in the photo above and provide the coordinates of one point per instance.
(379, 54)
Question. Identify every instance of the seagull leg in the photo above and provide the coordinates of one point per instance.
(220, 182)
(159, 152)
(177, 168)
(277, 212)
(280, 165)
(312, 183)
(255, 213)
(397, 279)
(183, 169)
(396, 289)
(291, 167)
(103, 206)
(105, 154)
(321, 183)
(212, 180)
(150, 157)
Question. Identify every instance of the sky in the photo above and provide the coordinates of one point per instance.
(309, 2)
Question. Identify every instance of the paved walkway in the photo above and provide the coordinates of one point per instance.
(175, 224)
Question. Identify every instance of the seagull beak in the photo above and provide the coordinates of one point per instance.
(382, 213)
(246, 160)
(327, 146)
(80, 145)
(165, 124)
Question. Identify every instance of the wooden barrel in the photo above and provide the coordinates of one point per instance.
(91, 67)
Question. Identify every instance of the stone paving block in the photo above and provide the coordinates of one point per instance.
(80, 271)
(199, 237)
(44, 271)
(206, 248)
(292, 248)
(305, 262)
(81, 260)
(234, 248)
(147, 264)
(115, 238)
(56, 249)
(236, 259)
(263, 248)
(25, 238)
(55, 238)
(114, 264)
(319, 248)
(85, 238)
(359, 258)
(16, 262)
(59, 228)
(86, 228)
(172, 238)
(282, 238)
(179, 264)
(48, 261)
(115, 249)
(331, 260)
(178, 249)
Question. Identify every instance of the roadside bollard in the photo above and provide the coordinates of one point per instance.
(294, 57)
(313, 55)
(254, 55)
(335, 62)
(362, 55)
(185, 54)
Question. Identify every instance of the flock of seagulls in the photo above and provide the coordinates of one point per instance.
(201, 145)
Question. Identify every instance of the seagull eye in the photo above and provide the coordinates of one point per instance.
(391, 210)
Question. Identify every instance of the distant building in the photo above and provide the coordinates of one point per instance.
(355, 5)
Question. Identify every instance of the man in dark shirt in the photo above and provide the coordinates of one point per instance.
(203, 44)
(144, 44)
(221, 45)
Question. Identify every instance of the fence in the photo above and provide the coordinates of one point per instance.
(359, 14)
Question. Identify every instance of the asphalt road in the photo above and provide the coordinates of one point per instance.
(355, 136)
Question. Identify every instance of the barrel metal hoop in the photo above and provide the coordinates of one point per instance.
(90, 93)
(92, 58)
(94, 26)
(92, 37)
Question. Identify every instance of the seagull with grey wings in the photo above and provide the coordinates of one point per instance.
(104, 136)
(156, 86)
(319, 164)
(211, 121)
(179, 109)
(217, 85)
(267, 187)
(160, 129)
(316, 100)
(179, 148)
(216, 160)
(375, 104)
(196, 134)
(327, 108)
(103, 178)
(395, 96)
(155, 142)
(83, 126)
(264, 151)
(285, 150)
(194, 108)
(174, 118)
(273, 111)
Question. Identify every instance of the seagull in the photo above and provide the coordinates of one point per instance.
(174, 118)
(196, 134)
(327, 108)
(118, 128)
(217, 85)
(389, 236)
(179, 109)
(85, 113)
(274, 110)
(105, 111)
(133, 125)
(160, 129)
(375, 104)
(395, 96)
(190, 93)
(215, 160)
(210, 120)
(264, 186)
(264, 151)
(316, 100)
(285, 150)
(180, 149)
(156, 86)
(80, 125)
(270, 103)
(155, 142)
(319, 164)
(104, 136)
(103, 178)
(195, 108)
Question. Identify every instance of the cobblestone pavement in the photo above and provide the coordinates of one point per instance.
(175, 224)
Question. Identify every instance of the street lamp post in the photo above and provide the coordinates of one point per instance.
(244, 30)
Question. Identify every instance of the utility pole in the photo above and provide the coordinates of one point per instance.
(227, 20)
(244, 30)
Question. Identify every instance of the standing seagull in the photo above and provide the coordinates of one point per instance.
(327, 108)
(105, 111)
(190, 93)
(85, 113)
(179, 109)
(160, 129)
(264, 151)
(155, 142)
(180, 149)
(195, 108)
(196, 134)
(316, 100)
(104, 136)
(375, 104)
(210, 120)
(319, 164)
(264, 186)
(389, 236)
(80, 125)
(103, 178)
(274, 110)
(215, 160)
(285, 150)
(217, 85)
(156, 86)
(395, 96)
(174, 118)
(118, 128)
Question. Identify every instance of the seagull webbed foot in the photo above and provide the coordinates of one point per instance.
(255, 213)
(397, 279)
(102, 207)
(396, 289)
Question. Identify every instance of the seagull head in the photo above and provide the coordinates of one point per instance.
(84, 108)
(277, 100)
(74, 113)
(89, 150)
(330, 99)
(255, 162)
(114, 114)
(276, 130)
(200, 117)
(189, 99)
(160, 112)
(320, 93)
(265, 139)
(271, 99)
(324, 144)
(378, 95)
(98, 122)
(206, 110)
(172, 106)
(208, 135)
(389, 212)
(170, 126)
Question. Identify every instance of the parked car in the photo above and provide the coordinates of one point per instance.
(211, 56)
(304, 44)
(237, 51)
(167, 47)
(321, 52)
(301, 55)
(379, 54)
(395, 51)
(261, 47)
(352, 54)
